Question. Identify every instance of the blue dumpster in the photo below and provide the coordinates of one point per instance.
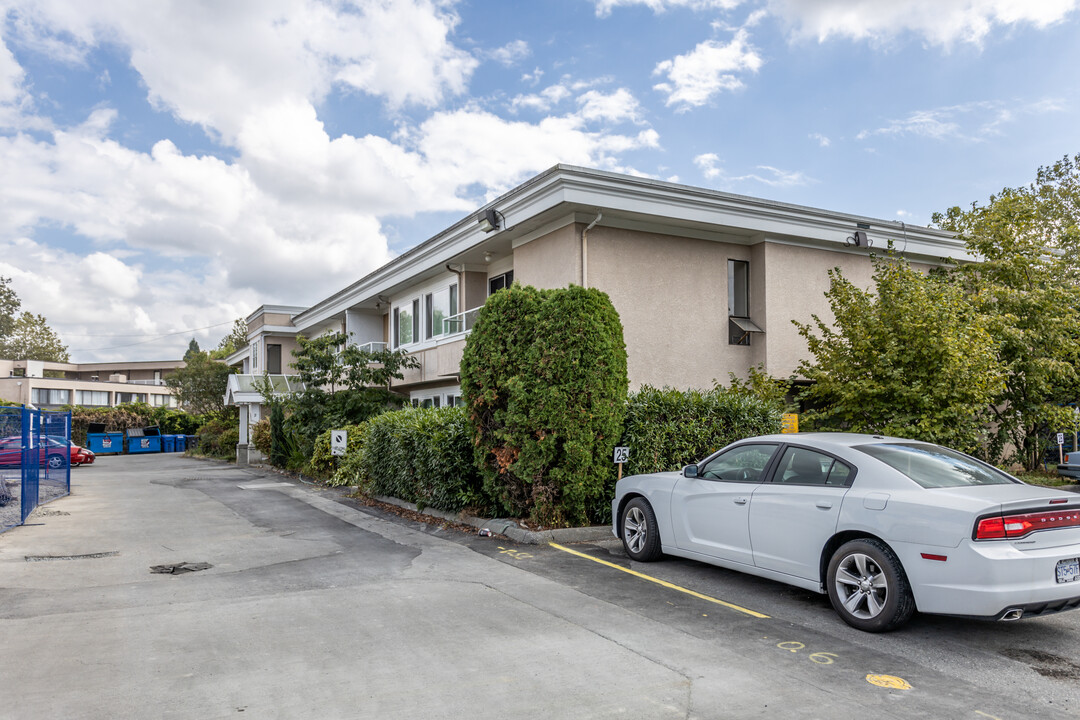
(104, 443)
(144, 440)
(168, 443)
(181, 443)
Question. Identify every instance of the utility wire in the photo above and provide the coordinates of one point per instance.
(144, 342)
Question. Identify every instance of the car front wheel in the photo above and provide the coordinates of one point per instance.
(640, 533)
(868, 588)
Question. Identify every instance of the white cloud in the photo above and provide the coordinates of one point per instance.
(712, 169)
(604, 7)
(614, 107)
(511, 53)
(822, 140)
(709, 69)
(709, 164)
(542, 101)
(973, 122)
(254, 54)
(939, 22)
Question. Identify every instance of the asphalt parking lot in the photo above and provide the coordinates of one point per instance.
(315, 606)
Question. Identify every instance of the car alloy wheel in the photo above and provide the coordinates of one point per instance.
(640, 533)
(56, 462)
(868, 587)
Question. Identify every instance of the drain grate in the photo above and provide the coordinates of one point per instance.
(87, 556)
(180, 568)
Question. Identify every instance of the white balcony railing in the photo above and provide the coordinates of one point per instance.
(461, 323)
(372, 347)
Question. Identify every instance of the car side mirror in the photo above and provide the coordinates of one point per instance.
(690, 471)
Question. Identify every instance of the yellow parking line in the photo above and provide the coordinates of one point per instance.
(663, 583)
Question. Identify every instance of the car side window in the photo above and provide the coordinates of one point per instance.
(742, 464)
(799, 466)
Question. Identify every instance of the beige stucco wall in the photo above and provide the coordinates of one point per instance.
(438, 364)
(671, 294)
(795, 282)
(552, 261)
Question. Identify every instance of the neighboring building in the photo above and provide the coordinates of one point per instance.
(706, 282)
(52, 385)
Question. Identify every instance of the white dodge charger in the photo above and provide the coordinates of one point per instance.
(884, 526)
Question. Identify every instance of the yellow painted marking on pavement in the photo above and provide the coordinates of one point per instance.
(888, 681)
(662, 583)
(792, 646)
(987, 715)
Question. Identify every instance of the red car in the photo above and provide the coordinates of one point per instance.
(52, 453)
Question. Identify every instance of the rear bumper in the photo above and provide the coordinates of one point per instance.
(984, 580)
(1066, 470)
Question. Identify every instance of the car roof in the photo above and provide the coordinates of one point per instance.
(826, 439)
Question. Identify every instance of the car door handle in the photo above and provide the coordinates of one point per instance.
(824, 504)
(741, 500)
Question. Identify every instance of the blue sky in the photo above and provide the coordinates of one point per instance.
(166, 167)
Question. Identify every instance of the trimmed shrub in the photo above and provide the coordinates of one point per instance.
(218, 438)
(422, 455)
(544, 379)
(666, 429)
(325, 466)
(260, 436)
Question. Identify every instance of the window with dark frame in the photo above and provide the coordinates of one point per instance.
(739, 302)
(499, 282)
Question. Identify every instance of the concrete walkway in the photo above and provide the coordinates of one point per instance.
(314, 609)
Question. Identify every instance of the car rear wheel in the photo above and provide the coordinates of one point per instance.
(56, 462)
(640, 533)
(868, 588)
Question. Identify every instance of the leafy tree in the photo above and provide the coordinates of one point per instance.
(26, 335)
(192, 350)
(913, 358)
(543, 377)
(235, 340)
(1027, 286)
(200, 386)
(343, 385)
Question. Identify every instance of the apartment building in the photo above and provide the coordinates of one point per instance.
(705, 282)
(51, 385)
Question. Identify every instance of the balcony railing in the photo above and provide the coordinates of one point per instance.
(372, 347)
(461, 323)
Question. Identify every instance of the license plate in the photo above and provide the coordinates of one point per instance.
(1068, 570)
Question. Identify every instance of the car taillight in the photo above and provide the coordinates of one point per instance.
(1019, 525)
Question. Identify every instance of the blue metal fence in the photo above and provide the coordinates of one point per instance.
(35, 461)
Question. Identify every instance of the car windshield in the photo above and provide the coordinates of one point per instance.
(933, 466)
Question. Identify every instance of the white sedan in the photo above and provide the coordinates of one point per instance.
(884, 526)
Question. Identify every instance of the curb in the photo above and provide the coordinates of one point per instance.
(509, 528)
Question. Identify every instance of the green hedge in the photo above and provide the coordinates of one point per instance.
(422, 455)
(543, 375)
(666, 428)
(325, 466)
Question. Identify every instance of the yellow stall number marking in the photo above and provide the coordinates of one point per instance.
(516, 554)
(888, 681)
(821, 658)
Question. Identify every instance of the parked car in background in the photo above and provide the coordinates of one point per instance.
(54, 453)
(884, 526)
(1071, 467)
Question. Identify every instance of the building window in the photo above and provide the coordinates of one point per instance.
(407, 323)
(273, 359)
(738, 283)
(92, 398)
(500, 281)
(50, 396)
(254, 357)
(438, 306)
(738, 289)
(123, 397)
